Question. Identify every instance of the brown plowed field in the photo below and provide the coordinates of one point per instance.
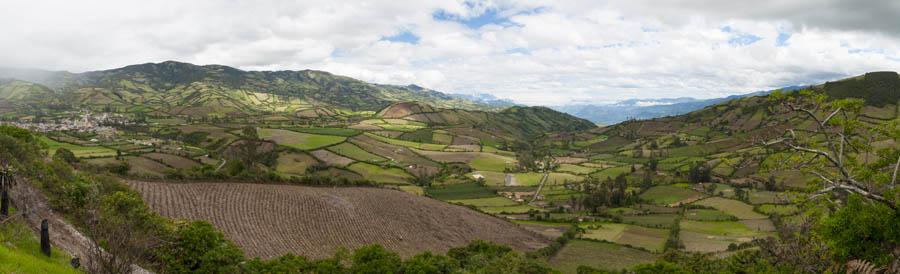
(271, 220)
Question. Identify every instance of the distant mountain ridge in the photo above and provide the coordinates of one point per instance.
(641, 109)
(176, 88)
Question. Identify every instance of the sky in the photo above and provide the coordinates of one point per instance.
(541, 52)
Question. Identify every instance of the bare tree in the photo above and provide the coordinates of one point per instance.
(117, 247)
(826, 142)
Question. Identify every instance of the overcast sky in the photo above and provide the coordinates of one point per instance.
(534, 52)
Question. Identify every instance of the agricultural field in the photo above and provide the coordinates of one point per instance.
(598, 255)
(477, 160)
(575, 169)
(707, 215)
(294, 163)
(303, 141)
(144, 167)
(345, 132)
(354, 152)
(669, 195)
(410, 144)
(732, 207)
(461, 192)
(172, 160)
(651, 220)
(331, 158)
(315, 222)
(637, 236)
(80, 151)
(782, 210)
(381, 175)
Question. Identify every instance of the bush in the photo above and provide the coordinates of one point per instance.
(200, 248)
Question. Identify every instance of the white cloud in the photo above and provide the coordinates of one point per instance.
(535, 52)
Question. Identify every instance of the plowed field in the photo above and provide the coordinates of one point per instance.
(271, 220)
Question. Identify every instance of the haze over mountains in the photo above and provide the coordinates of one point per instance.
(642, 109)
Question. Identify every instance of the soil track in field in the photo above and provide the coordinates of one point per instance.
(271, 220)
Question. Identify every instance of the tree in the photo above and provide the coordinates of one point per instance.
(65, 155)
(249, 132)
(375, 259)
(199, 248)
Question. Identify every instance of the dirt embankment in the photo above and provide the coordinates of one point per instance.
(33, 207)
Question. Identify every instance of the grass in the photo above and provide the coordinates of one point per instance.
(304, 141)
(460, 192)
(352, 151)
(416, 190)
(490, 162)
(707, 215)
(516, 209)
(612, 172)
(727, 228)
(763, 197)
(668, 194)
(651, 220)
(528, 179)
(20, 252)
(779, 209)
(576, 169)
(598, 255)
(487, 202)
(411, 144)
(381, 175)
(733, 207)
(648, 238)
(293, 163)
(560, 178)
(345, 132)
(78, 150)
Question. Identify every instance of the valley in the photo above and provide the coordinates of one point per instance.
(308, 163)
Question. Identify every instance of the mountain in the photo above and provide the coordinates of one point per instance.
(175, 88)
(641, 109)
(517, 121)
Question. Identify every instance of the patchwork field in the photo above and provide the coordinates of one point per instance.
(477, 160)
(461, 192)
(599, 255)
(649, 238)
(667, 195)
(172, 160)
(352, 151)
(294, 163)
(79, 150)
(381, 175)
(315, 222)
(304, 141)
(733, 207)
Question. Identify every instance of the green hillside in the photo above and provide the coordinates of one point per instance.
(174, 88)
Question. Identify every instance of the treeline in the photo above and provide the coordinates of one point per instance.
(604, 194)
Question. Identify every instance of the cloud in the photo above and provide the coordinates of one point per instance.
(534, 52)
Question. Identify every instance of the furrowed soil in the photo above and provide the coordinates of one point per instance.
(267, 221)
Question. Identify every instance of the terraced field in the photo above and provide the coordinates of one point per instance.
(271, 220)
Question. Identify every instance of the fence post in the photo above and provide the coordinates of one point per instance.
(45, 237)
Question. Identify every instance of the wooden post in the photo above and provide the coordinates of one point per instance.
(4, 203)
(45, 237)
